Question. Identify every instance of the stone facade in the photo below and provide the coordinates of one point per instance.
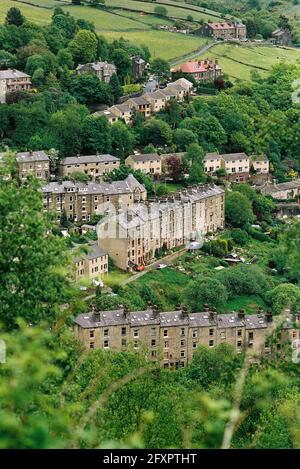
(92, 165)
(282, 37)
(201, 70)
(103, 70)
(133, 237)
(12, 80)
(149, 163)
(223, 31)
(171, 338)
(139, 66)
(283, 191)
(92, 264)
(82, 200)
(236, 165)
(33, 162)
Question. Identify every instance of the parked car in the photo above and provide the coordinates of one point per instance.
(139, 268)
(161, 266)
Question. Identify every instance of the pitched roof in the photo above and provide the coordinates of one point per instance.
(197, 66)
(28, 156)
(139, 101)
(127, 186)
(93, 252)
(81, 159)
(12, 74)
(184, 83)
(220, 26)
(235, 156)
(170, 318)
(212, 156)
(107, 113)
(96, 65)
(145, 157)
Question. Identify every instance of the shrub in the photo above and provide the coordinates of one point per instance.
(244, 280)
(239, 236)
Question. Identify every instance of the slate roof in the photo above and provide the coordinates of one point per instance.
(173, 318)
(145, 157)
(28, 156)
(71, 160)
(212, 156)
(234, 156)
(12, 74)
(93, 252)
(106, 188)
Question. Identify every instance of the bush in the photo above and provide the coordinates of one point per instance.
(216, 248)
(130, 89)
(239, 236)
(244, 280)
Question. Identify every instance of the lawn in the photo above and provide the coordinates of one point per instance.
(115, 277)
(249, 303)
(238, 61)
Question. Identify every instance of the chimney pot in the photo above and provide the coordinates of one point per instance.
(269, 316)
(205, 307)
(241, 314)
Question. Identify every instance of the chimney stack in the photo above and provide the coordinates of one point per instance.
(184, 311)
(205, 307)
(155, 310)
(269, 316)
(178, 307)
(241, 314)
(212, 315)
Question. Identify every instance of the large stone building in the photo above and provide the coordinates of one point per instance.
(171, 338)
(82, 200)
(225, 31)
(282, 37)
(103, 70)
(90, 264)
(283, 191)
(33, 162)
(133, 237)
(149, 163)
(92, 165)
(12, 80)
(201, 70)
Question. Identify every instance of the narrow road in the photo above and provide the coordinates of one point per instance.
(193, 54)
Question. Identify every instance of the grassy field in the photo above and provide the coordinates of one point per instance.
(173, 11)
(34, 14)
(161, 43)
(238, 61)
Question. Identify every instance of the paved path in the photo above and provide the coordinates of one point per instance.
(194, 54)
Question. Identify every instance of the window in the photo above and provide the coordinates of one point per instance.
(182, 343)
(123, 342)
(135, 333)
(92, 345)
(106, 343)
(166, 344)
(92, 334)
(211, 332)
(123, 330)
(211, 343)
(195, 333)
(182, 353)
(153, 331)
(153, 343)
(166, 354)
(250, 335)
(105, 332)
(165, 332)
(153, 353)
(239, 343)
(239, 332)
(223, 335)
(194, 344)
(182, 331)
(136, 344)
